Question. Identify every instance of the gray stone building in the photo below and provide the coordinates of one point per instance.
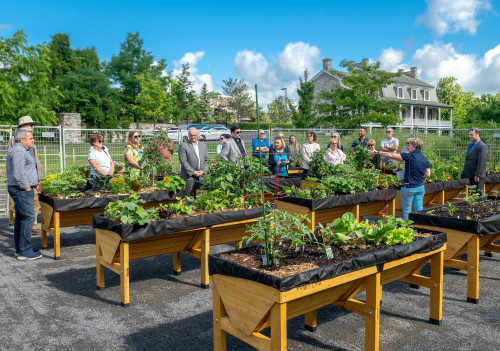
(418, 99)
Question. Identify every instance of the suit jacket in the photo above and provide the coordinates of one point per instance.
(475, 163)
(37, 161)
(189, 160)
(230, 150)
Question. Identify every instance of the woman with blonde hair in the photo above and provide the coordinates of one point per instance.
(278, 160)
(308, 149)
(133, 151)
(293, 145)
(333, 154)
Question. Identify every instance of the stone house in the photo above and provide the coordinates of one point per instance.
(420, 105)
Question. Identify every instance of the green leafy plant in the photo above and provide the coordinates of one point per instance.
(171, 183)
(63, 185)
(278, 225)
(135, 181)
(361, 158)
(473, 196)
(318, 165)
(118, 185)
(296, 159)
(450, 208)
(129, 211)
(100, 183)
(154, 161)
(180, 207)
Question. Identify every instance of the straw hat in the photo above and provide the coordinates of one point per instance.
(25, 120)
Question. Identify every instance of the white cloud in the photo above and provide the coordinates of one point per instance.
(296, 57)
(254, 67)
(450, 16)
(390, 59)
(198, 79)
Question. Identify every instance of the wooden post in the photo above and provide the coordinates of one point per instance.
(124, 274)
(57, 236)
(312, 218)
(205, 248)
(441, 197)
(219, 311)
(278, 327)
(372, 320)
(311, 321)
(99, 266)
(436, 291)
(177, 263)
(473, 269)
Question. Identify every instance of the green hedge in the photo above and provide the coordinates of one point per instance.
(253, 126)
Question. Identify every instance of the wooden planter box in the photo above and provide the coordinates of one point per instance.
(492, 184)
(246, 301)
(117, 244)
(464, 236)
(295, 170)
(61, 213)
(439, 193)
(371, 203)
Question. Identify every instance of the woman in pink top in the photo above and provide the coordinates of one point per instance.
(333, 154)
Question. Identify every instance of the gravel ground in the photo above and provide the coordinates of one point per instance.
(54, 305)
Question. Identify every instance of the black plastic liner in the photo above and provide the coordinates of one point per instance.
(272, 184)
(129, 232)
(343, 200)
(492, 178)
(450, 184)
(218, 265)
(490, 225)
(61, 205)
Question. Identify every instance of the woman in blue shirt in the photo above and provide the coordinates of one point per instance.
(279, 159)
(416, 169)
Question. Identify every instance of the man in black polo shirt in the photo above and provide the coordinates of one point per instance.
(363, 141)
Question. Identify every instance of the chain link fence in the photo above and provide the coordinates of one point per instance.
(60, 147)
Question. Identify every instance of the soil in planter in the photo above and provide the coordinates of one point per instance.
(297, 261)
(465, 211)
(102, 193)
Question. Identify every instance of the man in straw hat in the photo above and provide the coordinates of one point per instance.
(27, 122)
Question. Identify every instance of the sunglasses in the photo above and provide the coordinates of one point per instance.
(237, 132)
(137, 136)
(100, 141)
(221, 138)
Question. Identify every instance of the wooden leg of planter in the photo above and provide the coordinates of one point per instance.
(57, 236)
(441, 197)
(356, 213)
(11, 217)
(98, 265)
(278, 327)
(436, 291)
(311, 321)
(312, 218)
(372, 320)
(205, 249)
(124, 274)
(218, 312)
(44, 237)
(392, 207)
(473, 269)
(177, 263)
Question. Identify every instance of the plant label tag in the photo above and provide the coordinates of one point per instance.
(297, 249)
(265, 262)
(329, 252)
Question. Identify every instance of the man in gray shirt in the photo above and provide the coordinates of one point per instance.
(22, 182)
(389, 144)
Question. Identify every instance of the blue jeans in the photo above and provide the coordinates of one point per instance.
(412, 196)
(24, 219)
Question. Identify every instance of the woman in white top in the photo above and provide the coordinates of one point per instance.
(308, 149)
(334, 154)
(99, 158)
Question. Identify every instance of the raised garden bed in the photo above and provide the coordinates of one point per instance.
(492, 184)
(61, 213)
(370, 203)
(438, 193)
(117, 244)
(465, 235)
(246, 300)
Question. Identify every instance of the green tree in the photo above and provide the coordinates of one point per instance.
(24, 81)
(153, 103)
(206, 111)
(485, 113)
(277, 111)
(187, 101)
(240, 101)
(450, 92)
(357, 100)
(304, 117)
(125, 68)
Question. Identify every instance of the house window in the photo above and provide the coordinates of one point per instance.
(426, 95)
(399, 92)
(430, 114)
(422, 113)
(414, 94)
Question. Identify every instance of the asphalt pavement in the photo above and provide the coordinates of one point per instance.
(54, 305)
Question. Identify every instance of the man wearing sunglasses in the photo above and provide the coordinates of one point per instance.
(234, 147)
(28, 123)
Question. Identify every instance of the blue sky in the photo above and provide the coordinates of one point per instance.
(271, 42)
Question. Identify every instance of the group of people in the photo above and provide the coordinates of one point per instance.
(24, 170)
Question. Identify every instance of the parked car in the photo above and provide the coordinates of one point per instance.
(214, 133)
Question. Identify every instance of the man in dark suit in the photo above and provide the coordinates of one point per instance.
(475, 160)
(193, 157)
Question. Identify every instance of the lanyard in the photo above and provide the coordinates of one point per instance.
(472, 148)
